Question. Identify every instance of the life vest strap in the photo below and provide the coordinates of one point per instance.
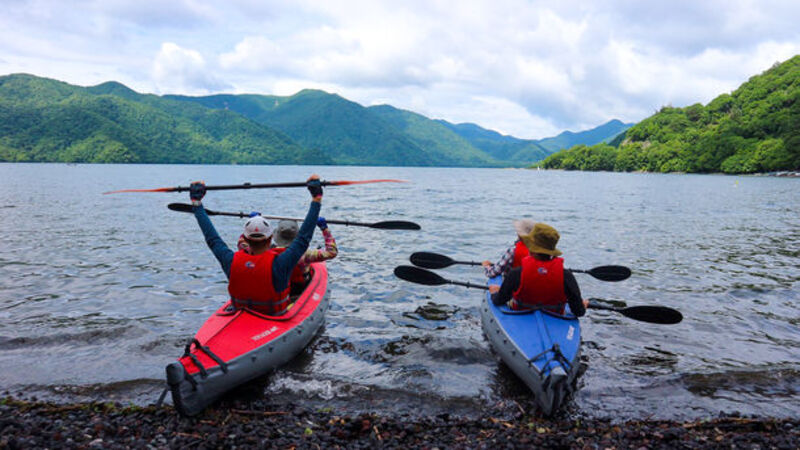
(279, 307)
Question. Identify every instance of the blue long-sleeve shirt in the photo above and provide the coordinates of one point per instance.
(282, 265)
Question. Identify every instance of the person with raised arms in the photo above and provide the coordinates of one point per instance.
(540, 282)
(258, 279)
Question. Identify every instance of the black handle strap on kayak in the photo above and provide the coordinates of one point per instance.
(203, 372)
(557, 357)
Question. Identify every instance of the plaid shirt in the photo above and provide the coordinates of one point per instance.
(317, 255)
(503, 266)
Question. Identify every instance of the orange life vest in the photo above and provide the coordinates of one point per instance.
(541, 284)
(520, 252)
(250, 283)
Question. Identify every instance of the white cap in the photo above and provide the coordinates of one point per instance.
(257, 229)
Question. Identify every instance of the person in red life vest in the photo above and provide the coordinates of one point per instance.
(512, 257)
(541, 282)
(258, 280)
(284, 236)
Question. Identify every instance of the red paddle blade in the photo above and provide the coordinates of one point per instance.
(166, 189)
(344, 183)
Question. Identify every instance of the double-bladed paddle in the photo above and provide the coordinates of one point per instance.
(385, 225)
(256, 186)
(651, 314)
(430, 260)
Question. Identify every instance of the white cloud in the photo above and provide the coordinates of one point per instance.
(179, 70)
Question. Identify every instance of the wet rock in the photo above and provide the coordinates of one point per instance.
(40, 425)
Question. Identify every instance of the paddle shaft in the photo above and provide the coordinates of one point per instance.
(651, 314)
(400, 225)
(256, 186)
(430, 260)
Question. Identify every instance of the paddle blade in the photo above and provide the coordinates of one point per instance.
(166, 189)
(430, 260)
(345, 183)
(610, 273)
(395, 225)
(417, 275)
(653, 314)
(180, 207)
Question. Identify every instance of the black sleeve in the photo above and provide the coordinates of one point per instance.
(573, 294)
(510, 284)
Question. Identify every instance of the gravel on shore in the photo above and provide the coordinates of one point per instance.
(27, 424)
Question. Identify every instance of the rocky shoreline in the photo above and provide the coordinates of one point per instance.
(26, 424)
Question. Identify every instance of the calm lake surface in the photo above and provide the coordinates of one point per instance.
(100, 292)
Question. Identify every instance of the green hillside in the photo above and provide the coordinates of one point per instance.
(44, 120)
(445, 146)
(568, 139)
(756, 128)
(345, 130)
(501, 147)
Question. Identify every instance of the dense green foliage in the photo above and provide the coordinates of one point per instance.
(46, 120)
(756, 128)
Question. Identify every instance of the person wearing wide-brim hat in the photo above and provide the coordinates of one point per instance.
(514, 254)
(541, 281)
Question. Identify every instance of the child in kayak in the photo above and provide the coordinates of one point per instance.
(285, 234)
(541, 281)
(513, 256)
(260, 279)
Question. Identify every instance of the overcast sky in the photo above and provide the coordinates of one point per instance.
(527, 68)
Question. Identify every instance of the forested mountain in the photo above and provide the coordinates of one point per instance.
(345, 130)
(568, 139)
(47, 120)
(756, 128)
(499, 146)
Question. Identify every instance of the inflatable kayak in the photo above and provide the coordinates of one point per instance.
(540, 347)
(237, 345)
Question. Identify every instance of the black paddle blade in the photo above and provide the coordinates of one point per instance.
(610, 273)
(180, 207)
(395, 225)
(653, 314)
(430, 260)
(417, 275)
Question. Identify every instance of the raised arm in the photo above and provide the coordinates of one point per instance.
(221, 251)
(284, 263)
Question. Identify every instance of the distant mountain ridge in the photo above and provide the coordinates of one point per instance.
(48, 120)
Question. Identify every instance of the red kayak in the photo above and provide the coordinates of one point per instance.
(235, 346)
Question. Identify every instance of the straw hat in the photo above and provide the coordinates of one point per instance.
(542, 239)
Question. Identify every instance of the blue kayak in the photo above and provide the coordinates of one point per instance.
(542, 348)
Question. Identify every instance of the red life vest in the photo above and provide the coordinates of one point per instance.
(297, 276)
(250, 283)
(520, 253)
(541, 284)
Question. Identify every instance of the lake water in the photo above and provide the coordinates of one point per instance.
(100, 292)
